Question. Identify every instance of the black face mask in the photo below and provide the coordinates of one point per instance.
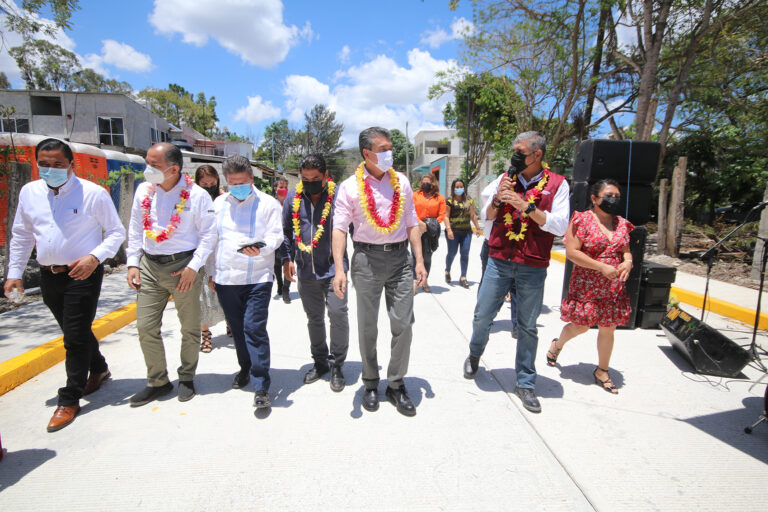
(518, 163)
(214, 191)
(312, 187)
(610, 205)
(426, 187)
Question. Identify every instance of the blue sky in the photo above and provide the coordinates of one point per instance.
(371, 62)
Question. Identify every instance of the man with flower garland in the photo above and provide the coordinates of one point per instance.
(308, 226)
(529, 208)
(170, 236)
(378, 202)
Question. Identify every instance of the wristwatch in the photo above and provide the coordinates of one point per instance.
(530, 209)
(496, 203)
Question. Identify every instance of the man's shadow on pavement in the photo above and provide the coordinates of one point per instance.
(114, 392)
(505, 379)
(414, 385)
(16, 465)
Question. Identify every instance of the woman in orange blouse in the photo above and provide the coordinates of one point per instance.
(429, 205)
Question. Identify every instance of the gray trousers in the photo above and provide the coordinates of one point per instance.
(157, 286)
(373, 271)
(317, 296)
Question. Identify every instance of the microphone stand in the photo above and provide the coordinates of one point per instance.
(709, 255)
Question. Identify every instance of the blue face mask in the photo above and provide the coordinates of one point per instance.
(53, 176)
(240, 192)
(458, 191)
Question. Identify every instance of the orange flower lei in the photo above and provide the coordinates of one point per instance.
(320, 226)
(534, 196)
(368, 203)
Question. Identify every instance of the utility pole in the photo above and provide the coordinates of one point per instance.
(407, 159)
(273, 150)
(466, 165)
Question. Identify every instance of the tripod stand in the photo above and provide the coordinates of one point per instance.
(753, 350)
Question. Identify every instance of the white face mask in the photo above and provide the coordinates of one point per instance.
(154, 176)
(384, 160)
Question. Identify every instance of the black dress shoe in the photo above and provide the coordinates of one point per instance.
(470, 367)
(150, 393)
(241, 379)
(261, 400)
(315, 373)
(371, 399)
(528, 398)
(186, 390)
(286, 293)
(337, 379)
(399, 398)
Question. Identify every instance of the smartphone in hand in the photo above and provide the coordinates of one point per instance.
(257, 245)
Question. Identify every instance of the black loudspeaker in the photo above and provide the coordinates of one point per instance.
(640, 199)
(637, 240)
(598, 159)
(708, 351)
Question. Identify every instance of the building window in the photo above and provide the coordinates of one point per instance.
(111, 131)
(45, 105)
(14, 125)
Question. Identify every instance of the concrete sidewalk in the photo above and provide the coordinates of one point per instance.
(671, 439)
(31, 325)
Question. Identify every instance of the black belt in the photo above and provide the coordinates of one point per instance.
(55, 269)
(167, 258)
(381, 247)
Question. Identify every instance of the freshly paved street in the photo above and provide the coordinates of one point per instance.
(670, 440)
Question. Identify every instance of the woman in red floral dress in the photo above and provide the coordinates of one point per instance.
(597, 242)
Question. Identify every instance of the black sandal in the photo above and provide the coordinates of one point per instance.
(463, 282)
(229, 331)
(206, 345)
(551, 361)
(447, 277)
(606, 384)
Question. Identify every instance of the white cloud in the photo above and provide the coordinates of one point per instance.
(377, 92)
(252, 29)
(435, 38)
(256, 111)
(343, 54)
(460, 28)
(119, 55)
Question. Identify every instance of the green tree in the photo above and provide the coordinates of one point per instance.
(398, 149)
(483, 109)
(179, 106)
(4, 83)
(88, 80)
(278, 144)
(26, 22)
(45, 65)
(321, 131)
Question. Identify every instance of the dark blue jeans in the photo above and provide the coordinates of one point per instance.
(246, 309)
(462, 240)
(530, 291)
(512, 291)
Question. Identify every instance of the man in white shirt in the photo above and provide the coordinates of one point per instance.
(65, 216)
(250, 230)
(171, 234)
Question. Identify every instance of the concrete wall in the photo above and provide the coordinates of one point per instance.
(79, 112)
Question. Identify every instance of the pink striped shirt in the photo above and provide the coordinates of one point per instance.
(348, 209)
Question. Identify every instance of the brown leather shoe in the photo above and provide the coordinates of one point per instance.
(63, 416)
(95, 380)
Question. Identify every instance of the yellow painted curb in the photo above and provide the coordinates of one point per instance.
(718, 306)
(21, 368)
(559, 256)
